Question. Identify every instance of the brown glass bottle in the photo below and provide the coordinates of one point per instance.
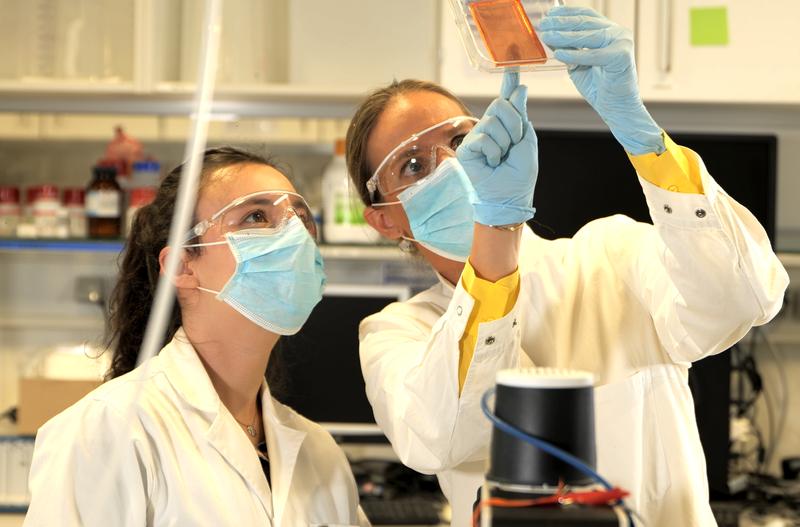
(104, 203)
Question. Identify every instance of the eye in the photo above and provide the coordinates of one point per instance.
(256, 217)
(413, 168)
(457, 140)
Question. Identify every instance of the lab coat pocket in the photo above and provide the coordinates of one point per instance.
(630, 453)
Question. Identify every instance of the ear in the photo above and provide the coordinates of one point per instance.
(381, 221)
(184, 277)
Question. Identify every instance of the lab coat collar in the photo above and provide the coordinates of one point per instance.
(189, 378)
(284, 431)
(187, 374)
(448, 287)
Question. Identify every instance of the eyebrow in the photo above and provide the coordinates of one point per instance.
(408, 152)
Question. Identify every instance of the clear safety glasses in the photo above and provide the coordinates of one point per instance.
(269, 209)
(418, 156)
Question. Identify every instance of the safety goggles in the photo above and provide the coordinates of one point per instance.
(418, 156)
(268, 209)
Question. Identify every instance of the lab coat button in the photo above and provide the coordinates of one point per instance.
(667, 209)
(514, 324)
(489, 341)
(459, 311)
(700, 213)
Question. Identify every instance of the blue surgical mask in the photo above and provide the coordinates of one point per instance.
(440, 212)
(279, 276)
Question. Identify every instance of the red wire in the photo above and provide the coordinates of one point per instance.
(591, 498)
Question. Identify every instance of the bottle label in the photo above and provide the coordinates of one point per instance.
(9, 209)
(45, 208)
(102, 204)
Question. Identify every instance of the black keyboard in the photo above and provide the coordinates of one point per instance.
(727, 512)
(403, 511)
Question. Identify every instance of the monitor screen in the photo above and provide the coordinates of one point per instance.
(324, 381)
(587, 175)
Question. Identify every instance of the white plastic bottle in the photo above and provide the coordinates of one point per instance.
(343, 211)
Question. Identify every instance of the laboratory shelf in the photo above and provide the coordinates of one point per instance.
(176, 99)
(332, 251)
(13, 509)
(51, 321)
(362, 252)
(82, 245)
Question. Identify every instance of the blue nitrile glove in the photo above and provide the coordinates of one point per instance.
(599, 54)
(500, 156)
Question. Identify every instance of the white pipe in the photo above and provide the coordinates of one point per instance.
(665, 39)
(187, 188)
(164, 297)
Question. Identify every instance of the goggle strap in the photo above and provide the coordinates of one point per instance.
(206, 244)
(386, 204)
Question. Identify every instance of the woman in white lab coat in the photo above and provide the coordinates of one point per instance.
(633, 303)
(198, 437)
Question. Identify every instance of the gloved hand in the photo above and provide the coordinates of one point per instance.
(500, 156)
(599, 54)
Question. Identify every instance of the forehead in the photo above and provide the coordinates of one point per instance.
(227, 184)
(405, 115)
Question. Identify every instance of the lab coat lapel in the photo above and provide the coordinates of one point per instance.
(186, 373)
(230, 441)
(283, 446)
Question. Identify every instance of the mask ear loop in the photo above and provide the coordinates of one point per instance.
(407, 245)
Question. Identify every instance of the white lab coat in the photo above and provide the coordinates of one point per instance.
(633, 303)
(184, 460)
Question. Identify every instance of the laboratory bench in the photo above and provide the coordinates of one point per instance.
(16, 520)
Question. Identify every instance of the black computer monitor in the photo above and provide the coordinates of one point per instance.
(587, 175)
(324, 381)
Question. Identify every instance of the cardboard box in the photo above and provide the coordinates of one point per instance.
(40, 399)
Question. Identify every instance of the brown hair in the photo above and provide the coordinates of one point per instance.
(130, 302)
(364, 120)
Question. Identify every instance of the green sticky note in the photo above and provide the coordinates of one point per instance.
(708, 26)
